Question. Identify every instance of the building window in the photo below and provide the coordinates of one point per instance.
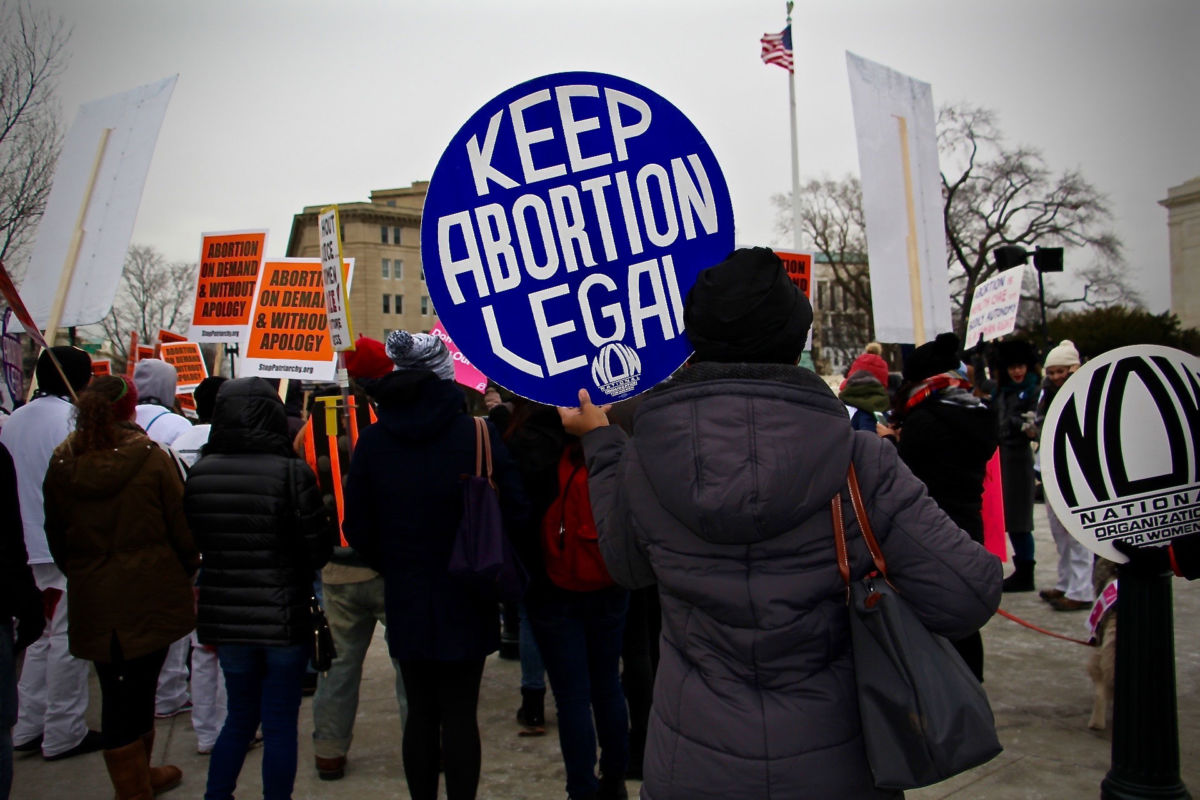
(424, 306)
(391, 203)
(395, 234)
(342, 232)
(398, 268)
(387, 263)
(422, 273)
(399, 304)
(387, 302)
(386, 331)
(383, 233)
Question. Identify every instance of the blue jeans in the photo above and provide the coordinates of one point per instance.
(8, 707)
(533, 671)
(352, 609)
(263, 686)
(580, 635)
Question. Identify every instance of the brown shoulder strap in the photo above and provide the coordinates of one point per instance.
(839, 538)
(483, 450)
(860, 511)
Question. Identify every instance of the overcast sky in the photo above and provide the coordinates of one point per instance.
(286, 103)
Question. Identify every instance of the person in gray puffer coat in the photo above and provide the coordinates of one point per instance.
(722, 497)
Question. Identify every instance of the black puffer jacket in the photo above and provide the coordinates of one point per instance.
(259, 522)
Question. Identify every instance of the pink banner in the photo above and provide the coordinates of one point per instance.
(464, 373)
(993, 510)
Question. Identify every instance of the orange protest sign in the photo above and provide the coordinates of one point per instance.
(799, 269)
(187, 404)
(229, 268)
(165, 336)
(188, 363)
(289, 331)
(101, 366)
(144, 352)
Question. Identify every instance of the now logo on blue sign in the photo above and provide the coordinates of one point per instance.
(563, 226)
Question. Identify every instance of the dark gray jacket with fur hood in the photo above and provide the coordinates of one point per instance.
(722, 498)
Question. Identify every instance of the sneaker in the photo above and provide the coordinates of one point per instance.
(1050, 595)
(92, 742)
(34, 745)
(183, 709)
(204, 750)
(331, 769)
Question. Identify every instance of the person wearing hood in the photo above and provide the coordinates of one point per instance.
(404, 501)
(947, 436)
(53, 689)
(155, 380)
(865, 390)
(1015, 401)
(722, 496)
(263, 531)
(1073, 591)
(115, 526)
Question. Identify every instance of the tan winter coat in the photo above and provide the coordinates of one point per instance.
(115, 526)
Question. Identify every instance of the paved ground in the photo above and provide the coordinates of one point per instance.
(1038, 687)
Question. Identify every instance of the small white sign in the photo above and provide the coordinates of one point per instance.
(341, 333)
(994, 307)
(1119, 449)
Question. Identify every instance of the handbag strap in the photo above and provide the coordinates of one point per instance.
(483, 451)
(839, 529)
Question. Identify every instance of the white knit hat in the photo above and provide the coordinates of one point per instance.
(1065, 355)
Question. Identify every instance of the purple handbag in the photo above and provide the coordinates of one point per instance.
(482, 551)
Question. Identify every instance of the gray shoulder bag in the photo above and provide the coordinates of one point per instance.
(924, 715)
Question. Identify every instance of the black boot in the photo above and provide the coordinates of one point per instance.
(532, 713)
(612, 787)
(1022, 578)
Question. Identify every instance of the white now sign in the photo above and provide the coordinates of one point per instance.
(1119, 449)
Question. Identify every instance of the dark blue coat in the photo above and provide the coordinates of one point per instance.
(403, 504)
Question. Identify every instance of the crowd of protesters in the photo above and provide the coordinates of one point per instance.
(132, 538)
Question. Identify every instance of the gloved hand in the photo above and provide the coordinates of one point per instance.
(31, 620)
(1147, 561)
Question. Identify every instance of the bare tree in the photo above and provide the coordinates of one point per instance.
(32, 56)
(995, 195)
(153, 295)
(832, 223)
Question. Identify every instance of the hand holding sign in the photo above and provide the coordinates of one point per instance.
(584, 418)
(563, 225)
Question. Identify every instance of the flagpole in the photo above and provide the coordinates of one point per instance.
(795, 159)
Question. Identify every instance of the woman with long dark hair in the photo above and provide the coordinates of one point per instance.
(115, 526)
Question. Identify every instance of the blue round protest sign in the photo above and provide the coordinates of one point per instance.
(563, 227)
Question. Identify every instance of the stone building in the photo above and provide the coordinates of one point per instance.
(1183, 225)
(383, 235)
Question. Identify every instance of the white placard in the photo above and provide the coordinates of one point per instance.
(115, 168)
(994, 307)
(337, 304)
(902, 202)
(1118, 449)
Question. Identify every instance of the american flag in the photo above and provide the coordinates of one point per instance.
(777, 48)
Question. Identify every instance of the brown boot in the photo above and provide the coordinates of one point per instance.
(129, 772)
(164, 778)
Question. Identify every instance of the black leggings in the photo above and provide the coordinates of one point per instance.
(127, 688)
(443, 697)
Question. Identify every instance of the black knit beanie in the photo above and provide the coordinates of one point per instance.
(932, 358)
(76, 363)
(746, 309)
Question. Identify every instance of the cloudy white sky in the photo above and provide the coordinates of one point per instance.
(286, 103)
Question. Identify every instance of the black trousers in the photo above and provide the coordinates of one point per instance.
(443, 697)
(643, 624)
(127, 689)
